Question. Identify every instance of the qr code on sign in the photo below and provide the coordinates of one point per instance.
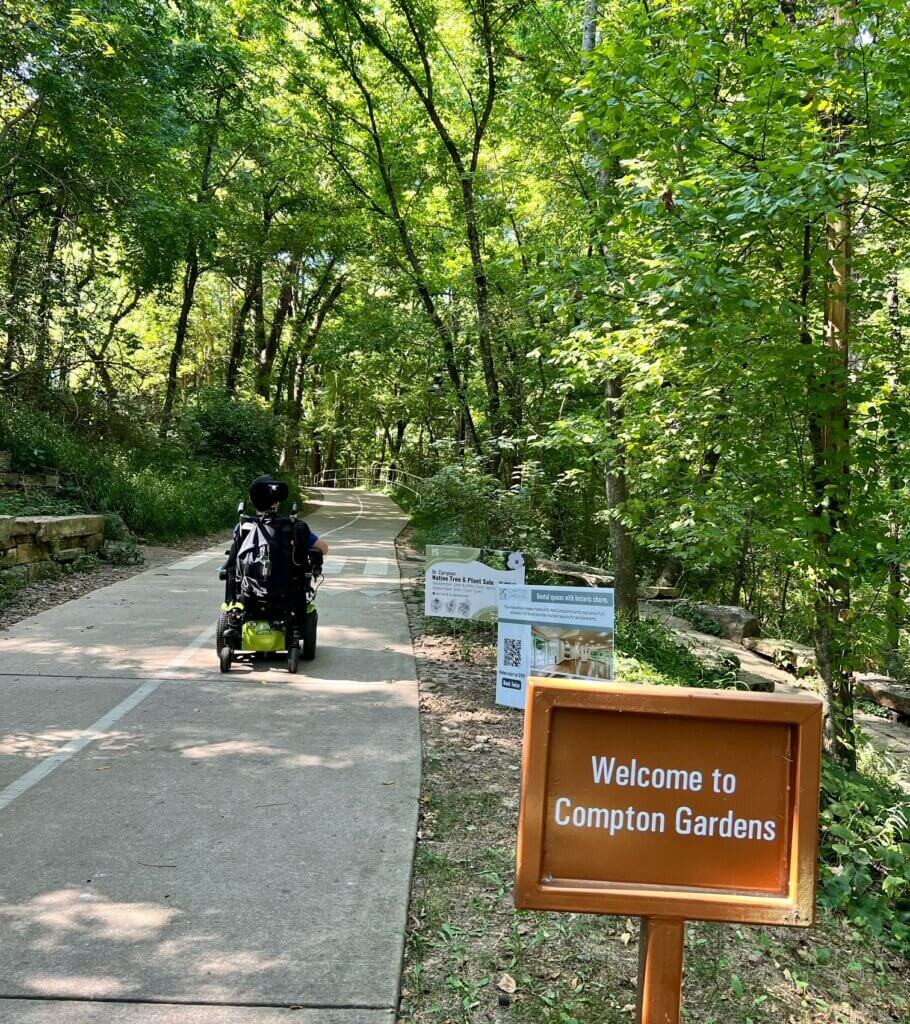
(512, 652)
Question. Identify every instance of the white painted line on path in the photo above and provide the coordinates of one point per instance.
(194, 561)
(334, 566)
(376, 567)
(349, 522)
(98, 729)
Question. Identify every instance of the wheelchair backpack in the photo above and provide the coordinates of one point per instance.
(262, 558)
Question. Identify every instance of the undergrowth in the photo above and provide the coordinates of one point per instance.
(10, 585)
(689, 611)
(465, 505)
(864, 844)
(865, 847)
(649, 653)
(165, 489)
(37, 503)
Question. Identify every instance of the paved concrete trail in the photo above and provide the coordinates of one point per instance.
(182, 847)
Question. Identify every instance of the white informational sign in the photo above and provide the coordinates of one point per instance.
(462, 583)
(552, 631)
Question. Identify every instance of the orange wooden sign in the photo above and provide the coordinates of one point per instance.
(669, 802)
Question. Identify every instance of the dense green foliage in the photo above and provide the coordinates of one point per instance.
(217, 426)
(157, 487)
(865, 846)
(465, 505)
(648, 653)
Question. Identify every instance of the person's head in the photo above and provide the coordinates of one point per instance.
(266, 493)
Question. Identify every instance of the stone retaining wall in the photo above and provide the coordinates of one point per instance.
(10, 479)
(27, 543)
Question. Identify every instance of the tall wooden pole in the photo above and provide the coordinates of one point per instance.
(660, 967)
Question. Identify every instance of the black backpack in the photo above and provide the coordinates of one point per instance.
(263, 557)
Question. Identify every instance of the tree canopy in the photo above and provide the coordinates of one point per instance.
(642, 264)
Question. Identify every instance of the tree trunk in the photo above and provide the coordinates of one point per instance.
(624, 567)
(282, 308)
(894, 609)
(830, 438)
(13, 318)
(235, 360)
(259, 320)
(298, 379)
(42, 327)
(396, 215)
(739, 573)
(98, 355)
(396, 443)
(328, 469)
(282, 383)
(782, 609)
(482, 304)
(624, 570)
(190, 277)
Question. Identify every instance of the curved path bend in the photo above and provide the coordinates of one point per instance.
(182, 847)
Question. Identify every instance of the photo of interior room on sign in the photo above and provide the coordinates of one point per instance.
(571, 651)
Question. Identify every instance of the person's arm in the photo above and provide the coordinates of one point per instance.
(317, 543)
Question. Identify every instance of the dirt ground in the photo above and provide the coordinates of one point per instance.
(472, 957)
(43, 594)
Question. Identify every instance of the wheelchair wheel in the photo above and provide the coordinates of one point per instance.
(225, 657)
(220, 627)
(293, 659)
(309, 635)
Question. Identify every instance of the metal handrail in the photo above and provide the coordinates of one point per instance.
(377, 475)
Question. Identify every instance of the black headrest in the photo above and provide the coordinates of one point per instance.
(265, 491)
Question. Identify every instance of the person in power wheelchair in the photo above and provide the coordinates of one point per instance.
(271, 574)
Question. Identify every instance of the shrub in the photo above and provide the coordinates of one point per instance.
(114, 527)
(10, 585)
(39, 504)
(219, 425)
(83, 563)
(464, 505)
(122, 552)
(865, 848)
(157, 488)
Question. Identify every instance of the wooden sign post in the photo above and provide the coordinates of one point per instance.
(672, 804)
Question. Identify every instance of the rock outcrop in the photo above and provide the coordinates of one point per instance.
(884, 691)
(736, 622)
